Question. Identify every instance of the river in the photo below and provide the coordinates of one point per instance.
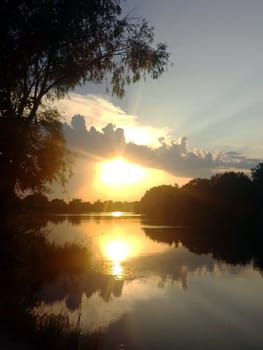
(148, 291)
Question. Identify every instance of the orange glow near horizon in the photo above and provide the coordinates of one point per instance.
(117, 214)
(117, 179)
(117, 172)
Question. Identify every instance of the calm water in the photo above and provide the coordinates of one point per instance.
(148, 294)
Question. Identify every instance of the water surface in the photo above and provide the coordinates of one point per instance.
(147, 290)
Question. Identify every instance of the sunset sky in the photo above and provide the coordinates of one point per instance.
(203, 116)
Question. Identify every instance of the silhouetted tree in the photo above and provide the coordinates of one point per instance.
(46, 49)
(257, 178)
(225, 198)
(98, 206)
(75, 205)
(57, 206)
(160, 202)
(36, 202)
(257, 175)
(195, 200)
(233, 194)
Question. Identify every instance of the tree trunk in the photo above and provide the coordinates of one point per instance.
(7, 186)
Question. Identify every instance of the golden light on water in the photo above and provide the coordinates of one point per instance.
(117, 250)
(117, 270)
(120, 240)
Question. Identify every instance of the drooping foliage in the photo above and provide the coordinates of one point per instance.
(32, 153)
(46, 49)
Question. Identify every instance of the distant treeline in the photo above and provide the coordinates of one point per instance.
(230, 197)
(223, 198)
(39, 203)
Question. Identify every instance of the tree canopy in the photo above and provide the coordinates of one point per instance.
(47, 47)
(230, 197)
(257, 175)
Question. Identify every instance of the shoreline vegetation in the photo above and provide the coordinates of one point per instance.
(223, 199)
(230, 198)
(28, 261)
(39, 203)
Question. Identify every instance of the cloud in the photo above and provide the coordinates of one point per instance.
(99, 111)
(109, 142)
(95, 109)
(173, 156)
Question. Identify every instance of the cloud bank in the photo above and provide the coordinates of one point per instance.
(173, 156)
(99, 111)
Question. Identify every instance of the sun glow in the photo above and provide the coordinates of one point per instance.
(118, 172)
(117, 270)
(117, 251)
(116, 214)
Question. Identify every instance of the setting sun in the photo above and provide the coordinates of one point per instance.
(120, 172)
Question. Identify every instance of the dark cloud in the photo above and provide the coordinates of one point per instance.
(106, 143)
(173, 156)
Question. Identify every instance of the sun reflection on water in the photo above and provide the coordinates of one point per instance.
(117, 214)
(117, 250)
(118, 242)
(117, 270)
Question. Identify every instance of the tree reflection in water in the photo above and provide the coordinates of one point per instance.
(35, 272)
(29, 264)
(237, 245)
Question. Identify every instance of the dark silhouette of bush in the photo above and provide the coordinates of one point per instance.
(161, 202)
(230, 197)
